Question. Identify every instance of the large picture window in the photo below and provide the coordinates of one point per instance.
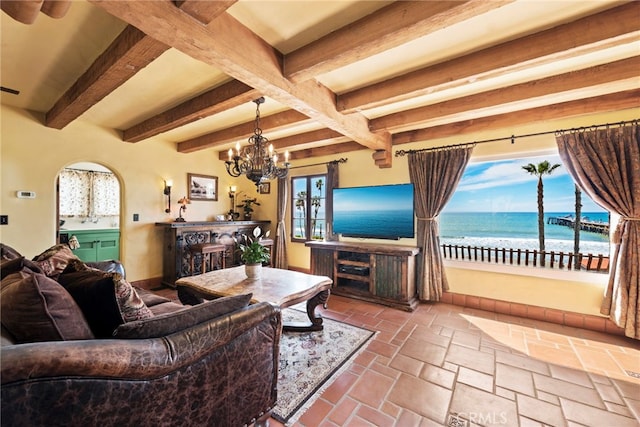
(308, 208)
(496, 207)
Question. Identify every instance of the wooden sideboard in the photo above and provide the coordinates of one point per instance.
(373, 272)
(179, 235)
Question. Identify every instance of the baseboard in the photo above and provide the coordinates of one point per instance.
(552, 315)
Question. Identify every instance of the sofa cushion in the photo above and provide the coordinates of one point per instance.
(55, 259)
(166, 307)
(106, 299)
(35, 308)
(151, 299)
(189, 316)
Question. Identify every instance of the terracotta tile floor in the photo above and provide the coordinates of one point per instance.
(445, 365)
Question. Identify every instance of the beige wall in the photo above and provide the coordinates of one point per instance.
(32, 155)
(571, 293)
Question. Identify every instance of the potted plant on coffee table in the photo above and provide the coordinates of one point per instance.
(253, 253)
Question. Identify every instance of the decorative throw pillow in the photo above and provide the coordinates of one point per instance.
(36, 308)
(7, 252)
(106, 299)
(55, 259)
(189, 316)
(8, 266)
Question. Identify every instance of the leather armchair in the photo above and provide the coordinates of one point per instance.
(222, 372)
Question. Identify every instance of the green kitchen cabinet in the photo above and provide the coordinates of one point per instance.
(97, 245)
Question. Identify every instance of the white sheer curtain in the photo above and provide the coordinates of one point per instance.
(106, 194)
(89, 193)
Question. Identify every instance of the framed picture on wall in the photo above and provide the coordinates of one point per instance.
(202, 187)
(265, 188)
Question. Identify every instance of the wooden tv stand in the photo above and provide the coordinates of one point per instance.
(385, 274)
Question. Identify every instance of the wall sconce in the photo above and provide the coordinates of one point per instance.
(167, 192)
(232, 195)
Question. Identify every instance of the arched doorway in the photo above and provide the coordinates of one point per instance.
(88, 211)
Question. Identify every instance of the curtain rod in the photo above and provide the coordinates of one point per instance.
(401, 153)
(86, 170)
(340, 160)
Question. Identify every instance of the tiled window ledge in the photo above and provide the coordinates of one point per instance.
(552, 315)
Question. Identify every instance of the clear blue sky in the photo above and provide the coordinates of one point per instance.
(503, 186)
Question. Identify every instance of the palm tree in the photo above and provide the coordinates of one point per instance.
(301, 197)
(576, 228)
(542, 168)
(316, 203)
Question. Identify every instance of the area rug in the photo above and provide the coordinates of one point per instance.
(310, 361)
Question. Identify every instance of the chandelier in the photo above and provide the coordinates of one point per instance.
(258, 161)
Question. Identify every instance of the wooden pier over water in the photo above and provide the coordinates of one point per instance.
(585, 224)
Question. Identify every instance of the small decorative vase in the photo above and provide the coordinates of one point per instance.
(253, 271)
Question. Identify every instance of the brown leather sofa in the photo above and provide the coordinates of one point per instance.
(218, 371)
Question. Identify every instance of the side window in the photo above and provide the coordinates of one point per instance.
(308, 203)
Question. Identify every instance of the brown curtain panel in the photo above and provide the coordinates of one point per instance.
(606, 165)
(332, 182)
(280, 250)
(435, 176)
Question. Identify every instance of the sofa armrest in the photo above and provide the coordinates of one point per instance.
(110, 266)
(220, 372)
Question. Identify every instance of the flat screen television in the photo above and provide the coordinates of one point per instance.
(379, 211)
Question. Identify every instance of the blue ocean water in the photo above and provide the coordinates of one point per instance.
(381, 223)
(519, 230)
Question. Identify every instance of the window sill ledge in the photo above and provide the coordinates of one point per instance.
(547, 273)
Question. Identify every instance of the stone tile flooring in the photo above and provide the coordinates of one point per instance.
(445, 365)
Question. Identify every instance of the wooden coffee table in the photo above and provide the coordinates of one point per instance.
(282, 287)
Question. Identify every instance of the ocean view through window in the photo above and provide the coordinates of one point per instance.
(308, 202)
(495, 206)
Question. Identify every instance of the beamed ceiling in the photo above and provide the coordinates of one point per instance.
(337, 75)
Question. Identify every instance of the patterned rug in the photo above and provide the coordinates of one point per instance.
(310, 361)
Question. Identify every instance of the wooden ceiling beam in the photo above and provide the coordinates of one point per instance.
(241, 132)
(56, 8)
(204, 10)
(326, 150)
(314, 136)
(326, 136)
(576, 84)
(213, 101)
(129, 53)
(224, 43)
(598, 104)
(389, 27)
(26, 11)
(605, 29)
